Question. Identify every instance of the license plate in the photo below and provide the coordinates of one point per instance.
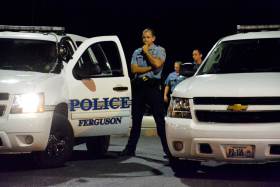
(240, 151)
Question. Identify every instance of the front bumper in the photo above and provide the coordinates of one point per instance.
(17, 131)
(218, 136)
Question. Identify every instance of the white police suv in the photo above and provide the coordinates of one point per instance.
(230, 109)
(54, 94)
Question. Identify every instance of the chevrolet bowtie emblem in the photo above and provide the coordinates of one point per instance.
(237, 107)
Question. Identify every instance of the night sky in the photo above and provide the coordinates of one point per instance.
(180, 25)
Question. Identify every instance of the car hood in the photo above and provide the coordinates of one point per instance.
(230, 85)
(15, 82)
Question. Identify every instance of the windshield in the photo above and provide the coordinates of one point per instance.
(244, 56)
(27, 55)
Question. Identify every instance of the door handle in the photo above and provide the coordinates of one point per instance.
(120, 88)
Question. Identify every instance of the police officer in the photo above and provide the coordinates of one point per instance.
(197, 58)
(146, 64)
(172, 80)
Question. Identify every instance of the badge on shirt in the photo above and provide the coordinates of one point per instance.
(139, 59)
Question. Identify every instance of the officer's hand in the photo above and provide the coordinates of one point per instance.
(145, 49)
(165, 99)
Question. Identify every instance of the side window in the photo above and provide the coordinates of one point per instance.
(99, 60)
(113, 58)
(78, 43)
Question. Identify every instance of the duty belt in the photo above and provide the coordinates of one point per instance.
(145, 78)
(147, 81)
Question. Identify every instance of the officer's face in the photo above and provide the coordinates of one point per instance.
(177, 67)
(196, 55)
(148, 38)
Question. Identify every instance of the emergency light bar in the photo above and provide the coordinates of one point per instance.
(32, 28)
(244, 28)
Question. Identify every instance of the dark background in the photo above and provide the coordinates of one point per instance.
(180, 25)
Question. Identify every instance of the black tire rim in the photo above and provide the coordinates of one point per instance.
(56, 146)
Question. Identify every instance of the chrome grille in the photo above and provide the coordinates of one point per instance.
(236, 100)
(263, 114)
(238, 117)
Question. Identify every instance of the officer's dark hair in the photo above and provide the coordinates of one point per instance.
(197, 49)
(149, 30)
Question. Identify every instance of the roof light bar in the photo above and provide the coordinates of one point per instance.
(244, 28)
(32, 28)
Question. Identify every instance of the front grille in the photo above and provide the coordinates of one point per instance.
(236, 100)
(238, 117)
(4, 96)
(2, 109)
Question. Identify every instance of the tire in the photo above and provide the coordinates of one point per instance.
(98, 146)
(59, 147)
(183, 166)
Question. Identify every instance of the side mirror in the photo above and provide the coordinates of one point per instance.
(187, 69)
(87, 72)
(64, 53)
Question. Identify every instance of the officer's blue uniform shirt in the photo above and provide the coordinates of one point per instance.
(138, 58)
(173, 79)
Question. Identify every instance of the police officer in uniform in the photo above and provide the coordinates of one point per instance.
(146, 65)
(197, 58)
(172, 80)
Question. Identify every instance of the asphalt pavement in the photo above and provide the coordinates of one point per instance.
(147, 168)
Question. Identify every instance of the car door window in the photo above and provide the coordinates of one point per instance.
(105, 55)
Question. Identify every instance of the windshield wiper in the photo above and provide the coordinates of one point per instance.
(271, 69)
(17, 67)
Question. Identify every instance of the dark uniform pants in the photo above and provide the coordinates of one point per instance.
(142, 94)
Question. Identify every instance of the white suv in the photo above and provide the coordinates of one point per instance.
(230, 109)
(54, 94)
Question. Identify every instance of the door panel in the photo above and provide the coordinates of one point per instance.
(99, 88)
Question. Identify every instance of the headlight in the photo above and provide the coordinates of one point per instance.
(31, 102)
(179, 108)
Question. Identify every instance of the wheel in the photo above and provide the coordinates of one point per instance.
(183, 166)
(60, 144)
(98, 145)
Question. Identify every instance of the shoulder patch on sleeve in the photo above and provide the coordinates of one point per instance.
(162, 53)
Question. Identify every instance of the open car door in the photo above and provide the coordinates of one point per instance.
(99, 88)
